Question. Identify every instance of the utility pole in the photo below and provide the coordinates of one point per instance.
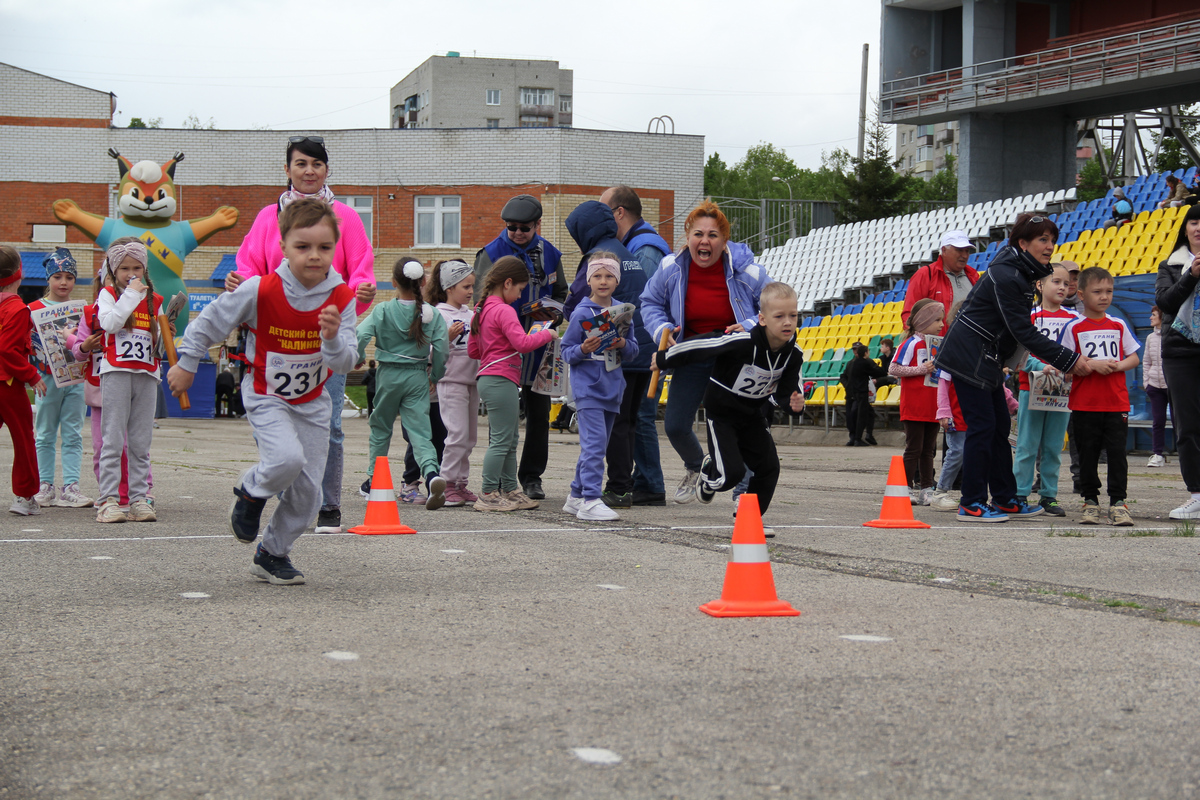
(862, 106)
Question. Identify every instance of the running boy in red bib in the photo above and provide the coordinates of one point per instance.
(301, 319)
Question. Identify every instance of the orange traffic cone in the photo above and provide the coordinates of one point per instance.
(749, 589)
(383, 515)
(897, 506)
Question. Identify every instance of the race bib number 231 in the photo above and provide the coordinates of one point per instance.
(292, 376)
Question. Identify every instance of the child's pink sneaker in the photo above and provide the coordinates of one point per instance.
(466, 493)
(454, 498)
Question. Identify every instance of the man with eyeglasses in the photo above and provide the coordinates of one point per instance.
(640, 238)
(521, 237)
(947, 280)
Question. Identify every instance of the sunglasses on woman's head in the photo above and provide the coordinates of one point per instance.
(521, 228)
(313, 139)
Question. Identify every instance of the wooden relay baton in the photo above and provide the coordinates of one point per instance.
(164, 330)
(654, 373)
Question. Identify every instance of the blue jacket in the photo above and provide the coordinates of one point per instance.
(594, 386)
(593, 228)
(993, 324)
(663, 299)
(647, 246)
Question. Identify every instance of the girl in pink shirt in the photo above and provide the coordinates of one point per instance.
(497, 341)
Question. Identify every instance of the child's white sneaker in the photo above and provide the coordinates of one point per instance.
(596, 511)
(25, 506)
(1189, 510)
(45, 495)
(71, 497)
(572, 505)
(1156, 460)
(110, 511)
(944, 501)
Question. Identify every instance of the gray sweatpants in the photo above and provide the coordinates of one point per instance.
(128, 400)
(293, 443)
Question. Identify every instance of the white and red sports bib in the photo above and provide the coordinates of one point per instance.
(132, 347)
(287, 343)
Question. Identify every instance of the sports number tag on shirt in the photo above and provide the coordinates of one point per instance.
(291, 376)
(1051, 327)
(922, 356)
(460, 341)
(134, 345)
(1101, 344)
(756, 382)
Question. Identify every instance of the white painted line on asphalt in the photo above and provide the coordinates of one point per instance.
(351, 535)
(612, 586)
(596, 755)
(454, 551)
(101, 558)
(341, 655)
(185, 497)
(943, 580)
(863, 637)
(193, 595)
(31, 530)
(724, 546)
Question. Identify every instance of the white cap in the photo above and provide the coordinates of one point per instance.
(956, 239)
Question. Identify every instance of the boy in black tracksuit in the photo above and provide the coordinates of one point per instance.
(749, 369)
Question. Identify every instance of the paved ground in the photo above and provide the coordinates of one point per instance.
(1022, 660)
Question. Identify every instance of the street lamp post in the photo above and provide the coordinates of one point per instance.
(791, 206)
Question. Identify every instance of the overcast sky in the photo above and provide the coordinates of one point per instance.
(781, 71)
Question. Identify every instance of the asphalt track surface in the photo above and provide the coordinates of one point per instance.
(531, 655)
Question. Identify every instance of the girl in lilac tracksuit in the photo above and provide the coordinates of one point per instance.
(598, 391)
(450, 287)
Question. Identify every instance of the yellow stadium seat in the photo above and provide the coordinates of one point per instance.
(818, 396)
(893, 398)
(838, 397)
(881, 394)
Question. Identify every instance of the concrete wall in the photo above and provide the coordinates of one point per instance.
(1007, 155)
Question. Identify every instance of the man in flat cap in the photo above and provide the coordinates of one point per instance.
(522, 238)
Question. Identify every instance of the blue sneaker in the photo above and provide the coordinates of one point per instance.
(980, 512)
(1018, 508)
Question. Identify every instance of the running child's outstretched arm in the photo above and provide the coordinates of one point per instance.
(338, 338)
(703, 348)
(210, 327)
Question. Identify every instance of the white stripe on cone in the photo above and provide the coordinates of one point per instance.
(749, 554)
(382, 496)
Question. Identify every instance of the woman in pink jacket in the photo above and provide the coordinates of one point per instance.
(497, 341)
(307, 168)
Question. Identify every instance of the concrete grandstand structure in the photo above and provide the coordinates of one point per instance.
(1019, 76)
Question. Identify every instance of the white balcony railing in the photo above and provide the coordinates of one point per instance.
(1056, 71)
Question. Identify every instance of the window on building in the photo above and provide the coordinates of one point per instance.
(493, 97)
(438, 221)
(924, 130)
(564, 105)
(493, 123)
(924, 153)
(365, 206)
(537, 97)
(910, 162)
(535, 122)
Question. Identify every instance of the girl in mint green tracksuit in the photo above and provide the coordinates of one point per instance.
(62, 408)
(411, 344)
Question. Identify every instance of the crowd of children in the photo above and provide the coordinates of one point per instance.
(440, 360)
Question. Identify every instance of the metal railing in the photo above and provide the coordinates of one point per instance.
(1055, 71)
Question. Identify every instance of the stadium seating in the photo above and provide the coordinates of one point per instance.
(829, 263)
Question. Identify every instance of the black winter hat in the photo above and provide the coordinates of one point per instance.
(522, 208)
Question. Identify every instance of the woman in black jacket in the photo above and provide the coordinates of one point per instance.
(1176, 296)
(991, 331)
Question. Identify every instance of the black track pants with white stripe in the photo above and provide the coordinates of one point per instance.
(737, 444)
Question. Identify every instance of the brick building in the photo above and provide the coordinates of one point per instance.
(433, 192)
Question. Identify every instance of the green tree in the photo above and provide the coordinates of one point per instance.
(873, 189)
(942, 187)
(138, 122)
(193, 123)
(1091, 182)
(718, 178)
